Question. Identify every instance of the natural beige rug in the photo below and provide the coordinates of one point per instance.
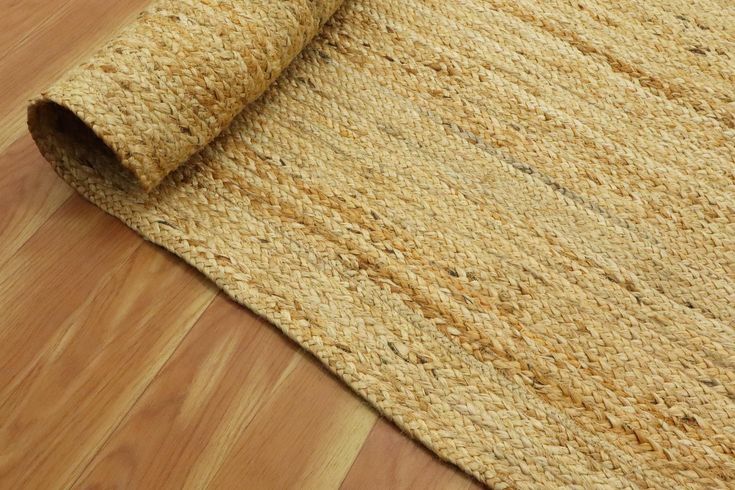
(508, 224)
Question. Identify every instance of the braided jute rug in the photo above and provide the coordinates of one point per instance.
(507, 224)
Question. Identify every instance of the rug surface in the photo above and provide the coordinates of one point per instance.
(507, 224)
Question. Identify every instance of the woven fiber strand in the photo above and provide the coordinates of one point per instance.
(508, 224)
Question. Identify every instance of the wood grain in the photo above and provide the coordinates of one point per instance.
(29, 194)
(120, 366)
(86, 373)
(225, 370)
(306, 436)
(409, 465)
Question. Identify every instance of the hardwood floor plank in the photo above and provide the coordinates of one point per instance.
(306, 435)
(192, 415)
(86, 368)
(52, 275)
(21, 19)
(30, 192)
(389, 459)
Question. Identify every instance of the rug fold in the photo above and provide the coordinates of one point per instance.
(174, 79)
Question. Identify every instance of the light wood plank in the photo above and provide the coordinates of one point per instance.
(237, 403)
(52, 276)
(77, 359)
(30, 192)
(306, 435)
(192, 415)
(389, 459)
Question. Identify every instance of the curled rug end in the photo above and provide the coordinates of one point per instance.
(169, 84)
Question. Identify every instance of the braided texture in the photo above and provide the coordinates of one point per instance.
(507, 224)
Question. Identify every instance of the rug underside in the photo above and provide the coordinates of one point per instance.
(507, 224)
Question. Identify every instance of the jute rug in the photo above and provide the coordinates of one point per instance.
(507, 224)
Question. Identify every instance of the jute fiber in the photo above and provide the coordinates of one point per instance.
(508, 224)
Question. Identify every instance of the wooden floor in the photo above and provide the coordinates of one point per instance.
(121, 366)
